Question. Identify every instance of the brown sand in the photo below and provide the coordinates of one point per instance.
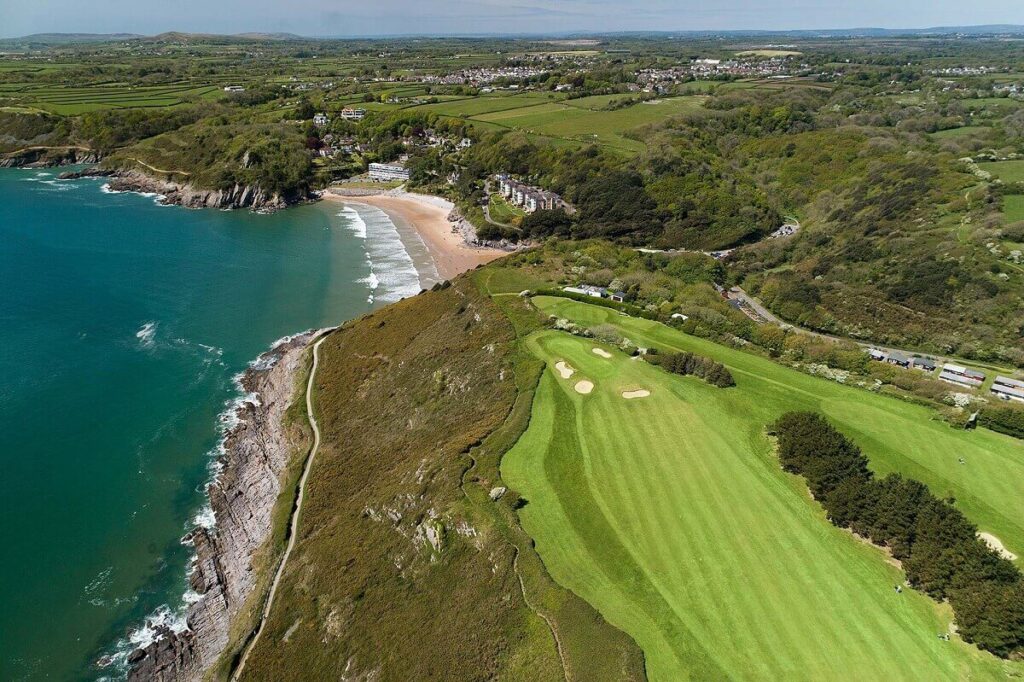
(996, 545)
(452, 256)
(638, 393)
(584, 386)
(565, 370)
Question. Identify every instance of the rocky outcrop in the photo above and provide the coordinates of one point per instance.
(242, 495)
(187, 195)
(47, 157)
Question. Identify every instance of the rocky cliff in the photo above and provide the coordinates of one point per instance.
(45, 157)
(186, 194)
(256, 452)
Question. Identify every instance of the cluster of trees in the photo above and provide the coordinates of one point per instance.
(1004, 419)
(938, 546)
(690, 364)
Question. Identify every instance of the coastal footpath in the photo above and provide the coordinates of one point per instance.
(252, 469)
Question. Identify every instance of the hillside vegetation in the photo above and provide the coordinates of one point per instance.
(405, 568)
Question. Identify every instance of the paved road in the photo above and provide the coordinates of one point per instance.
(294, 522)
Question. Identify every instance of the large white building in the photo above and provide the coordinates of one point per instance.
(1008, 389)
(955, 374)
(388, 171)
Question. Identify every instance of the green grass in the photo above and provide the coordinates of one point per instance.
(579, 125)
(670, 514)
(1013, 207)
(960, 132)
(503, 212)
(1007, 171)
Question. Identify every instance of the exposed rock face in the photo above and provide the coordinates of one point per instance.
(46, 157)
(185, 194)
(242, 496)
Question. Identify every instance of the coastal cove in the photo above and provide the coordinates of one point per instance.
(126, 325)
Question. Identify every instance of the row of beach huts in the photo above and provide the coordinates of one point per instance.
(1004, 388)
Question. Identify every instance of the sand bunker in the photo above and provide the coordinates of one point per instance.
(638, 393)
(584, 386)
(996, 545)
(565, 370)
(602, 352)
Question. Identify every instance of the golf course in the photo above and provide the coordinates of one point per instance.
(658, 499)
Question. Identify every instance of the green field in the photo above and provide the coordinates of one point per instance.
(671, 515)
(1007, 171)
(71, 101)
(1013, 207)
(575, 123)
(963, 131)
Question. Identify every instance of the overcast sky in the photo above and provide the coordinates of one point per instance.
(392, 17)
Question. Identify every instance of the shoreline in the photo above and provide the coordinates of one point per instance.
(257, 451)
(428, 217)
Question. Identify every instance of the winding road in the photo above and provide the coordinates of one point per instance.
(293, 523)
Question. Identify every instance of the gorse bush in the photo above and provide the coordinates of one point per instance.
(937, 544)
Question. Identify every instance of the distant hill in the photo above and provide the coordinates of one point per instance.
(167, 37)
(69, 38)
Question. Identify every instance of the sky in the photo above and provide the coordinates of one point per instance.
(442, 17)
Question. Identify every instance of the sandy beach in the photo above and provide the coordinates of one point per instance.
(428, 216)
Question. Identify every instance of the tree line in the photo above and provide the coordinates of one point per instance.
(691, 364)
(936, 543)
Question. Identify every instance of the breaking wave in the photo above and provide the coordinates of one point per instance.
(393, 274)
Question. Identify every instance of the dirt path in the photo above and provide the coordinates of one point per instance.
(159, 170)
(293, 523)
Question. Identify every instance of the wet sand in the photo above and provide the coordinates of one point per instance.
(428, 217)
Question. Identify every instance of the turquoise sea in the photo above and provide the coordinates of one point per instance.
(122, 325)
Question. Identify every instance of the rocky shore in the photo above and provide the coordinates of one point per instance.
(257, 451)
(187, 195)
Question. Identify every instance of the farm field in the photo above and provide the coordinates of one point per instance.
(574, 123)
(1013, 207)
(1007, 171)
(670, 514)
(71, 101)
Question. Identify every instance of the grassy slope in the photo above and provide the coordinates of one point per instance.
(1007, 171)
(1013, 207)
(671, 515)
(416, 402)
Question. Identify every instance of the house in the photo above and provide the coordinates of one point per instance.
(1006, 388)
(879, 355)
(898, 358)
(923, 364)
(388, 172)
(955, 374)
(465, 143)
(618, 296)
(350, 114)
(587, 290)
(320, 120)
(680, 316)
(233, 88)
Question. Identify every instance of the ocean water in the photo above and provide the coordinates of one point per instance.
(122, 325)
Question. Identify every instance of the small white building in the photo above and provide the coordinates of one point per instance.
(350, 114)
(233, 88)
(587, 290)
(320, 120)
(388, 172)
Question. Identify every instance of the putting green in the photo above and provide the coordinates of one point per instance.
(671, 516)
